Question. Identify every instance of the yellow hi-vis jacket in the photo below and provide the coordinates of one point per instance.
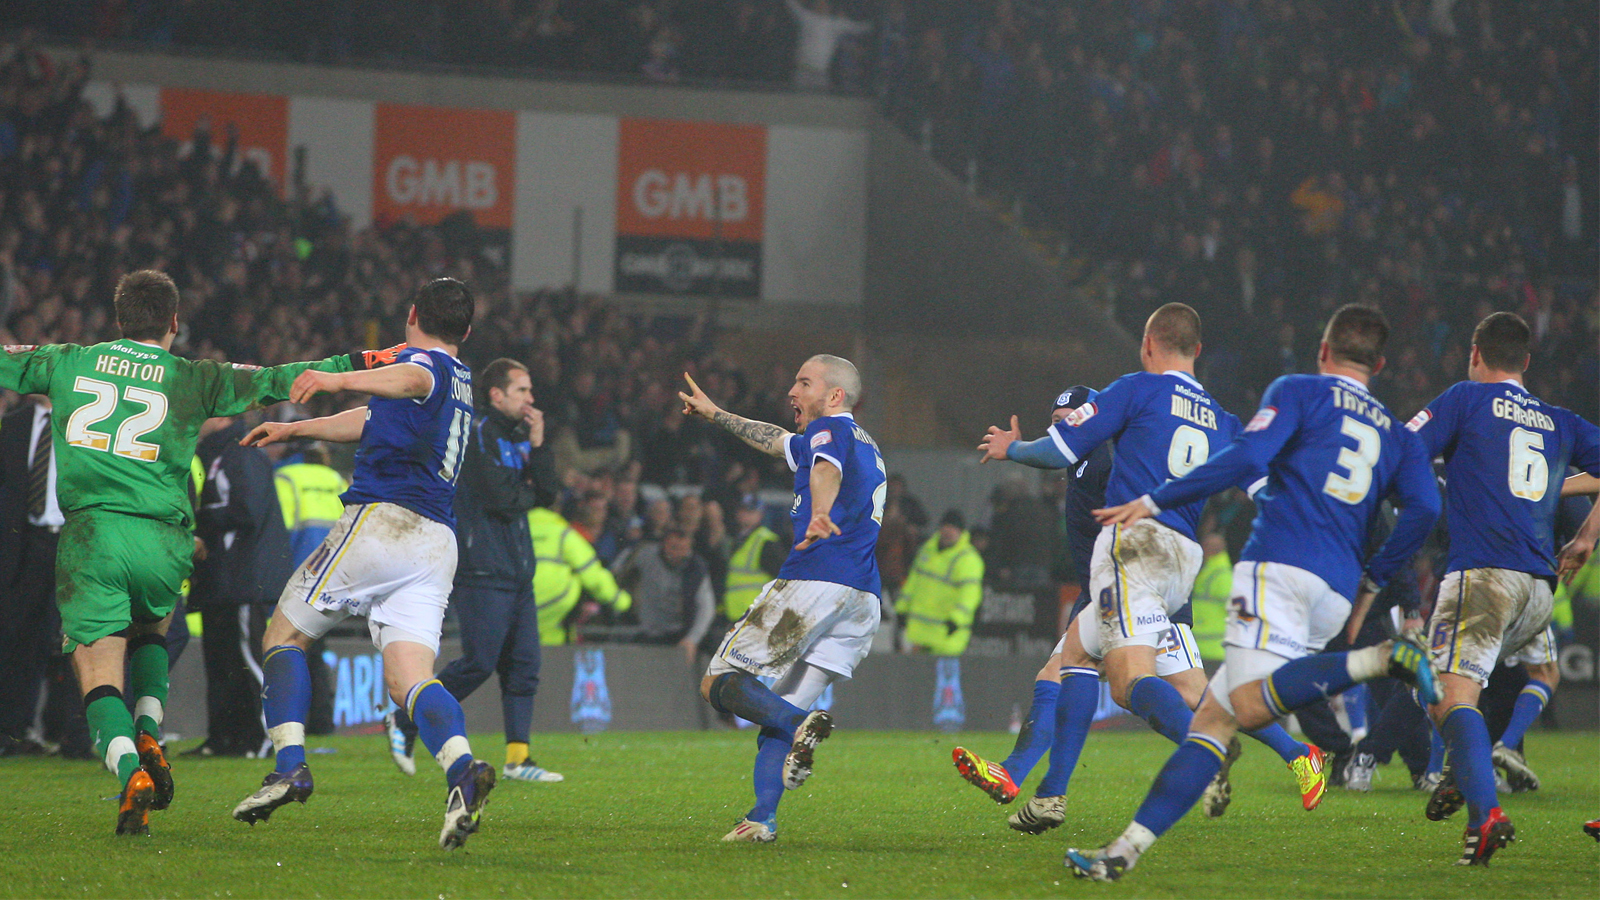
(943, 590)
(309, 494)
(1209, 604)
(746, 578)
(565, 566)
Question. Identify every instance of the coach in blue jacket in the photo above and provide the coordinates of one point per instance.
(506, 470)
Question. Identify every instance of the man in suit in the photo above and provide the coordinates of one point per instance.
(30, 521)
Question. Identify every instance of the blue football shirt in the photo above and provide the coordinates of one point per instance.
(1164, 426)
(1505, 455)
(849, 557)
(410, 451)
(1332, 453)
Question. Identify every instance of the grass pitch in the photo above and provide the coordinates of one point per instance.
(885, 816)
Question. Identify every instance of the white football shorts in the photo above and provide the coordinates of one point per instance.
(826, 625)
(1137, 575)
(1176, 650)
(382, 561)
(1485, 615)
(1276, 613)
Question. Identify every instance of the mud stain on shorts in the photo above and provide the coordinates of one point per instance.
(1136, 543)
(785, 637)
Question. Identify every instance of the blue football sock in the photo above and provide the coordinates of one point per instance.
(1435, 749)
(1078, 696)
(1287, 748)
(1160, 704)
(743, 695)
(1181, 782)
(439, 723)
(1470, 760)
(771, 749)
(1304, 681)
(1529, 704)
(1037, 734)
(286, 700)
(1355, 706)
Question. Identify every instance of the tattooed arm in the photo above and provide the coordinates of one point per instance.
(763, 436)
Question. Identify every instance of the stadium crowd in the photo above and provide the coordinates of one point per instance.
(1262, 161)
(1438, 176)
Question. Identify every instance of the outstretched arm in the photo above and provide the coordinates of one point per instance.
(395, 382)
(1575, 555)
(763, 436)
(1580, 485)
(825, 481)
(342, 428)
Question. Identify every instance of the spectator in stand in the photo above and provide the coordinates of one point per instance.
(940, 598)
(901, 533)
(821, 30)
(671, 588)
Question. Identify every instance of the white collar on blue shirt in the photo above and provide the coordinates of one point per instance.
(1186, 377)
(1363, 388)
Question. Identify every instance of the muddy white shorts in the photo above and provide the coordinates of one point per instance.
(1276, 613)
(382, 561)
(1485, 615)
(826, 625)
(1137, 575)
(1176, 650)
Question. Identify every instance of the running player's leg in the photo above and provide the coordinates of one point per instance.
(99, 667)
(1076, 701)
(800, 687)
(999, 779)
(1507, 609)
(729, 684)
(1538, 656)
(116, 576)
(1038, 731)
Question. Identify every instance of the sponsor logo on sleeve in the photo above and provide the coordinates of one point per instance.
(820, 438)
(1419, 420)
(1262, 419)
(1081, 415)
(246, 367)
(21, 348)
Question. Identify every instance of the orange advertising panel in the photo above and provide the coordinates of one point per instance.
(262, 121)
(429, 162)
(697, 180)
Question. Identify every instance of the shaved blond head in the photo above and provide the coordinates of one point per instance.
(839, 372)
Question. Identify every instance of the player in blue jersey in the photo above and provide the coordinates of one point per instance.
(1332, 453)
(1163, 424)
(1501, 446)
(391, 557)
(814, 623)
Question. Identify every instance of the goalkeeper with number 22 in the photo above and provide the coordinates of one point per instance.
(127, 415)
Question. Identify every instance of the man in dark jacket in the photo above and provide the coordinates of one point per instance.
(506, 470)
(246, 565)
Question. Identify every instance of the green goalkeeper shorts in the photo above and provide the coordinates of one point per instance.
(114, 570)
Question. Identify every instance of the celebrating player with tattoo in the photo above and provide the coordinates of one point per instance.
(814, 623)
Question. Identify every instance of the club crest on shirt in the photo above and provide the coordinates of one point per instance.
(1419, 420)
(1081, 415)
(820, 438)
(1262, 419)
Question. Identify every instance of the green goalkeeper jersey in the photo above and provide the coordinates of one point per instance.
(126, 417)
